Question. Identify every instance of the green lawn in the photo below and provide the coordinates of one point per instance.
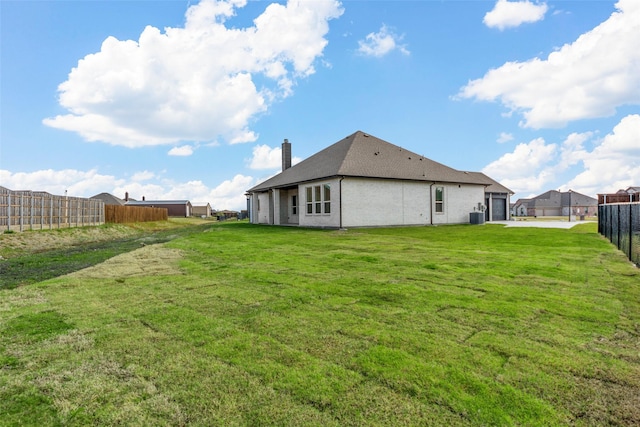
(257, 325)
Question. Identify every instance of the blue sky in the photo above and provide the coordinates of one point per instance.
(191, 100)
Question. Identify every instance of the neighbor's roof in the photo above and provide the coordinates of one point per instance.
(157, 202)
(108, 199)
(364, 155)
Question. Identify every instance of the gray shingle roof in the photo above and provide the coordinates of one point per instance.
(364, 155)
(156, 202)
(495, 186)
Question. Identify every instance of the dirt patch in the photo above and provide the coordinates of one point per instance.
(152, 260)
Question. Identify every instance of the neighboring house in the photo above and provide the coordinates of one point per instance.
(201, 209)
(557, 203)
(109, 199)
(363, 181)
(174, 207)
(520, 207)
(631, 194)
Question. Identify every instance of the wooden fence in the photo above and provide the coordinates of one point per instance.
(604, 199)
(126, 214)
(37, 210)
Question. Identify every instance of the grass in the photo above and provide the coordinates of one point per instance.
(256, 325)
(26, 265)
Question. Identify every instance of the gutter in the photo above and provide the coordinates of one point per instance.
(431, 202)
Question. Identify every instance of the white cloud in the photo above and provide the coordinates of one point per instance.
(588, 78)
(506, 14)
(505, 137)
(265, 157)
(524, 169)
(614, 163)
(75, 182)
(227, 195)
(381, 43)
(183, 150)
(142, 176)
(194, 83)
(603, 166)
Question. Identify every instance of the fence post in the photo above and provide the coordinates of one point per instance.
(9, 212)
(21, 212)
(630, 231)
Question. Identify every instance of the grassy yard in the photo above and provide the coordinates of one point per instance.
(235, 324)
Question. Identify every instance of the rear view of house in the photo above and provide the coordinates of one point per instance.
(363, 181)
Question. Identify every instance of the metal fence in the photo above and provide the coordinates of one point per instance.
(620, 223)
(37, 210)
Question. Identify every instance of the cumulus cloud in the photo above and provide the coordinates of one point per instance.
(381, 43)
(265, 157)
(183, 150)
(227, 195)
(524, 169)
(74, 182)
(614, 163)
(505, 137)
(201, 82)
(588, 78)
(603, 165)
(506, 14)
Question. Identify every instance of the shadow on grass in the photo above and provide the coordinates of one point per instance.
(37, 267)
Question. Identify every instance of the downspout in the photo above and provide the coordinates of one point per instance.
(431, 202)
(340, 199)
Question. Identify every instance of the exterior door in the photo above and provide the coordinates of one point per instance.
(499, 210)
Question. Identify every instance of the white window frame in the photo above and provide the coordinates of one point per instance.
(318, 199)
(439, 203)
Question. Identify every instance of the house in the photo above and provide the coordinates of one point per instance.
(557, 203)
(201, 210)
(520, 207)
(363, 181)
(181, 208)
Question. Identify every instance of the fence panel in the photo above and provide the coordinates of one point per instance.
(127, 214)
(620, 223)
(37, 210)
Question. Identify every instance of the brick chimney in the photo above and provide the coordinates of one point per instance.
(286, 155)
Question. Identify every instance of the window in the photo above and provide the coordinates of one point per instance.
(318, 199)
(294, 204)
(439, 199)
(309, 200)
(327, 198)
